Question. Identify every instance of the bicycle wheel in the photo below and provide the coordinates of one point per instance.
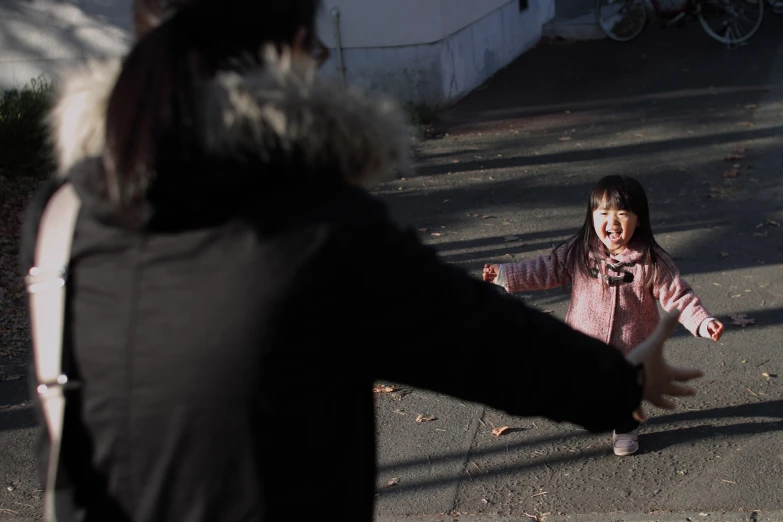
(731, 21)
(621, 20)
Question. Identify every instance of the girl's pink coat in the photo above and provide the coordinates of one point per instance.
(622, 315)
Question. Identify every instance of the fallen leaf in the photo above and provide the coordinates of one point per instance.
(422, 418)
(741, 320)
(509, 239)
(436, 234)
(754, 393)
(539, 494)
(745, 124)
(768, 375)
(731, 173)
(487, 217)
(380, 388)
(548, 311)
(704, 514)
(771, 222)
(751, 106)
(729, 481)
(497, 432)
(392, 482)
(565, 138)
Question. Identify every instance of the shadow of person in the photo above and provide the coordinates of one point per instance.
(754, 416)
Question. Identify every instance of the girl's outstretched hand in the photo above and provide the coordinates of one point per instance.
(661, 380)
(715, 329)
(490, 272)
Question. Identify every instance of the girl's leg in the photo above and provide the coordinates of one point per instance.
(627, 427)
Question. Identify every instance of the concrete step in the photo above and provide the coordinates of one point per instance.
(574, 20)
(580, 27)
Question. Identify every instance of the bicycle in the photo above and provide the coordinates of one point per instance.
(776, 6)
(731, 22)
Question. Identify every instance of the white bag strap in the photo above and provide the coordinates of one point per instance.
(46, 285)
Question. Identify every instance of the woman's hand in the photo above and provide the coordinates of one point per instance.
(490, 272)
(661, 380)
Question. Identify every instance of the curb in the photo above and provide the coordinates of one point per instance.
(580, 28)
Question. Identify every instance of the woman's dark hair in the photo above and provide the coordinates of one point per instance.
(614, 192)
(181, 43)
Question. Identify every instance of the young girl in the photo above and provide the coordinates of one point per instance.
(617, 271)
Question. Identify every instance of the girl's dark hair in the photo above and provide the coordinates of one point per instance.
(181, 43)
(617, 193)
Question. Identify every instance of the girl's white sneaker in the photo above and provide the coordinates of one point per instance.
(625, 444)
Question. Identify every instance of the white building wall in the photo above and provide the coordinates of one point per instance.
(433, 72)
(37, 37)
(423, 51)
(383, 23)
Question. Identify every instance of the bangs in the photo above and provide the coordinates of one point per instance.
(611, 198)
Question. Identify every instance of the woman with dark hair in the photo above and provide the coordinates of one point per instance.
(227, 257)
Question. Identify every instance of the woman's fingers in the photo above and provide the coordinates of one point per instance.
(650, 350)
(685, 374)
(680, 390)
(663, 402)
(666, 326)
(639, 415)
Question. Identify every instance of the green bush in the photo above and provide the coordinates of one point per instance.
(25, 148)
(421, 115)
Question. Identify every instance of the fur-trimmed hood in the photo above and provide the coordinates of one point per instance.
(281, 106)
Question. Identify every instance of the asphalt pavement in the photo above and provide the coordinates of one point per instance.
(506, 177)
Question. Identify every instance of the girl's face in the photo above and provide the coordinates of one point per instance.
(614, 227)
